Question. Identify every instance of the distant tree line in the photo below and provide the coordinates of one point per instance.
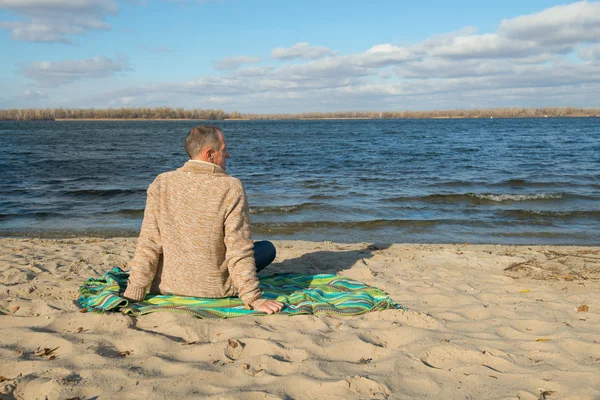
(166, 113)
(110, 113)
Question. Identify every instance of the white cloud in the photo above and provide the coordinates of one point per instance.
(438, 68)
(560, 25)
(56, 20)
(33, 95)
(383, 55)
(249, 72)
(426, 84)
(483, 46)
(556, 30)
(55, 73)
(301, 50)
(127, 100)
(235, 62)
(347, 66)
(329, 67)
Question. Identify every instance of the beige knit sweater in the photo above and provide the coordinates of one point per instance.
(195, 238)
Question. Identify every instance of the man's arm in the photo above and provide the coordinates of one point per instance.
(147, 252)
(239, 250)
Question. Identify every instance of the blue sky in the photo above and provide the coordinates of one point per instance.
(283, 56)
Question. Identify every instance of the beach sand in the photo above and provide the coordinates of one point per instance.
(483, 322)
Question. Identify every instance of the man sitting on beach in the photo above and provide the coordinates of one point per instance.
(195, 237)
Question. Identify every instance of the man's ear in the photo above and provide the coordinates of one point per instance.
(207, 153)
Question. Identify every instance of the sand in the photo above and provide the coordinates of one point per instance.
(483, 322)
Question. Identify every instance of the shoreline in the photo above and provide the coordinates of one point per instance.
(95, 236)
(485, 321)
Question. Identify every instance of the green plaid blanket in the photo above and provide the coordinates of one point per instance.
(302, 294)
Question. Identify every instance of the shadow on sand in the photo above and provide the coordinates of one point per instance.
(325, 262)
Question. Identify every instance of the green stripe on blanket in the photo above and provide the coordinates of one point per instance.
(302, 294)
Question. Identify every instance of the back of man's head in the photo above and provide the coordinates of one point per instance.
(201, 137)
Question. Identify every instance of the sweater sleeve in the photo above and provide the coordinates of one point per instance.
(147, 252)
(239, 251)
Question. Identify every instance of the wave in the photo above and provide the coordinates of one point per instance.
(528, 214)
(62, 215)
(322, 197)
(528, 183)
(517, 197)
(519, 183)
(104, 192)
(281, 209)
(292, 227)
(455, 184)
(515, 182)
(318, 183)
(478, 198)
(41, 215)
(126, 212)
(58, 181)
(16, 190)
(68, 233)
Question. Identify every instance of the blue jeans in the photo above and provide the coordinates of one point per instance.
(264, 254)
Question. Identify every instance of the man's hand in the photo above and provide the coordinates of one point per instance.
(270, 307)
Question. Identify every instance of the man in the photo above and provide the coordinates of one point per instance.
(195, 237)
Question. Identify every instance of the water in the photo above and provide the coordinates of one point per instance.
(505, 181)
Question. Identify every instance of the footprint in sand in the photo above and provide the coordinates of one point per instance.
(451, 358)
(256, 347)
(14, 276)
(368, 388)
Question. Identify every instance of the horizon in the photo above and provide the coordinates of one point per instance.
(294, 57)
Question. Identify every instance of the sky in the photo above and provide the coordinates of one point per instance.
(292, 56)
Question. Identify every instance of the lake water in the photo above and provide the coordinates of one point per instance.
(505, 181)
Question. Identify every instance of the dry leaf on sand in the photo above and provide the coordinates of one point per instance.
(583, 308)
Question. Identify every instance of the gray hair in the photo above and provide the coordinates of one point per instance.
(201, 137)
